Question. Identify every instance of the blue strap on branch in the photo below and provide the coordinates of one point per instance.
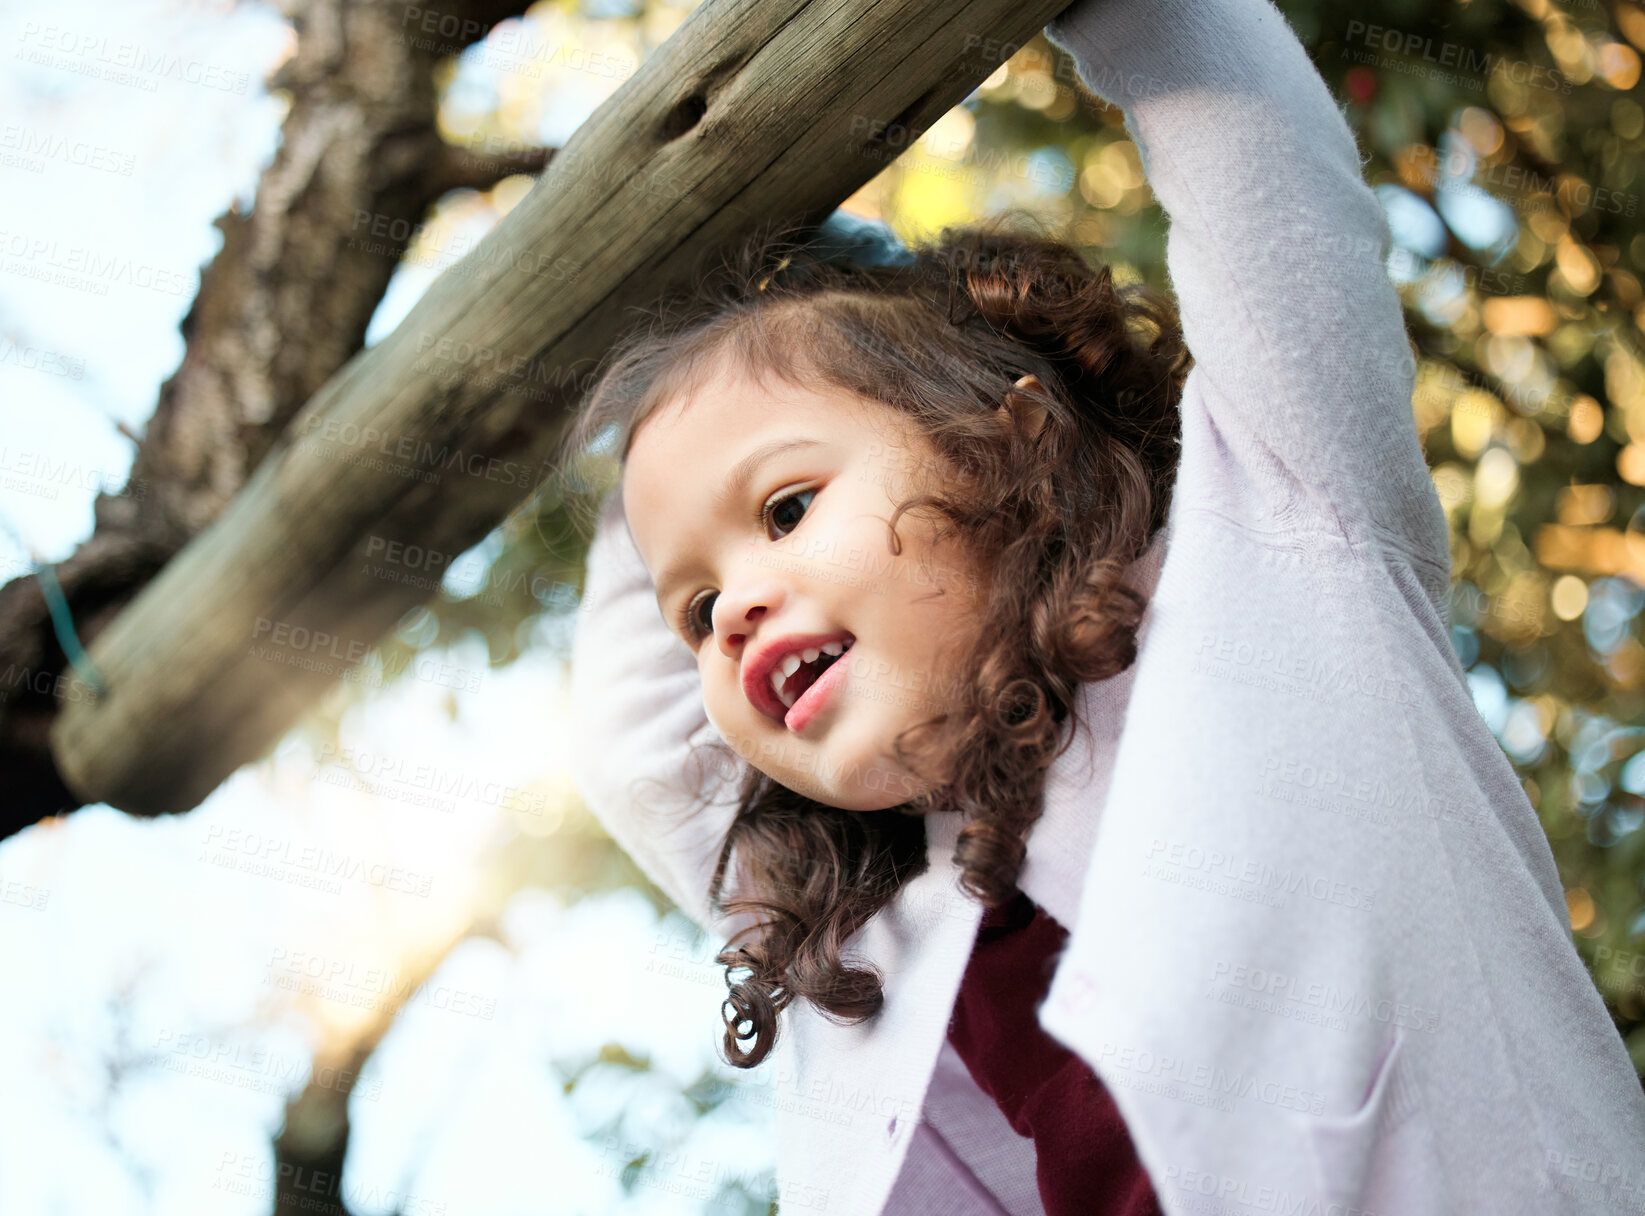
(62, 623)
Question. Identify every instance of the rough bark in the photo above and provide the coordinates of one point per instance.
(282, 306)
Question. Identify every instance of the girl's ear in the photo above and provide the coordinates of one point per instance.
(1032, 410)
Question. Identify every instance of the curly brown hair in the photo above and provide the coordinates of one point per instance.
(1054, 513)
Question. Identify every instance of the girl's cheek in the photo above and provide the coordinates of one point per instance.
(705, 681)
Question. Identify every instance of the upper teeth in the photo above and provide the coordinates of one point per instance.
(791, 663)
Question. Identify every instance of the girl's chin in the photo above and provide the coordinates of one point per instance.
(878, 791)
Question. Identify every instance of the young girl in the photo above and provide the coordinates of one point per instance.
(1078, 735)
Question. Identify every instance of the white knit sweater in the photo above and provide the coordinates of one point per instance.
(1319, 951)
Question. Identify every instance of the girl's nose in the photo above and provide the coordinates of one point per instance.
(737, 611)
(732, 640)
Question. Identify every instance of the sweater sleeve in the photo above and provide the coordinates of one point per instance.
(1276, 251)
(638, 730)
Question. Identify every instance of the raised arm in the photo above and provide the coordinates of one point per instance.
(636, 712)
(1276, 252)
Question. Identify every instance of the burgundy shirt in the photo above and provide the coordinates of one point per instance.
(1085, 1162)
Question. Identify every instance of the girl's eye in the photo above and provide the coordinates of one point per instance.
(697, 618)
(694, 622)
(782, 510)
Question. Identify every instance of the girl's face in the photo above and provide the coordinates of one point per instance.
(762, 517)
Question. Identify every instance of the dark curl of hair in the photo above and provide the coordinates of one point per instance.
(1054, 510)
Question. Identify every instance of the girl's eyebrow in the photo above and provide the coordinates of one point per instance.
(736, 481)
(736, 485)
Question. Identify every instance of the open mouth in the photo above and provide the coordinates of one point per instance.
(796, 673)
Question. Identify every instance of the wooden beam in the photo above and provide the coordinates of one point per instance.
(752, 109)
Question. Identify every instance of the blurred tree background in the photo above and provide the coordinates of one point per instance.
(1504, 138)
